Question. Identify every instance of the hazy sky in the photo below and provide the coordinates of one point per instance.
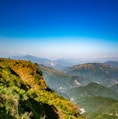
(59, 28)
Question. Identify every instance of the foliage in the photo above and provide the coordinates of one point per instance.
(24, 94)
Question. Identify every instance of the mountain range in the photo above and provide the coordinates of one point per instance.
(82, 74)
(87, 85)
(59, 64)
(91, 86)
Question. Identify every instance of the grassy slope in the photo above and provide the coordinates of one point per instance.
(24, 94)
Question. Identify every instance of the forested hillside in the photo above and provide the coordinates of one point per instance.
(25, 95)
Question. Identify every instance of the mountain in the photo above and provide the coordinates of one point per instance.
(91, 90)
(58, 80)
(33, 59)
(60, 64)
(25, 95)
(100, 107)
(98, 97)
(95, 101)
(95, 72)
(112, 63)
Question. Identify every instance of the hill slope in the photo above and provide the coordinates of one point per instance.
(91, 90)
(58, 80)
(98, 102)
(100, 107)
(25, 95)
(96, 72)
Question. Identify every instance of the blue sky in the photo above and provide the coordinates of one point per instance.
(59, 28)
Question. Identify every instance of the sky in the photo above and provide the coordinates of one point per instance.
(57, 29)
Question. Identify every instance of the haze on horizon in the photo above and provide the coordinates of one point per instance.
(57, 29)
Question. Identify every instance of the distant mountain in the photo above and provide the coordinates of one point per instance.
(57, 64)
(112, 63)
(95, 72)
(99, 107)
(62, 64)
(33, 59)
(91, 90)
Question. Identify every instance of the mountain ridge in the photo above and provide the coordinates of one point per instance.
(90, 90)
(59, 64)
(95, 72)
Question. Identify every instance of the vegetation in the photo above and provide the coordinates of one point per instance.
(90, 90)
(100, 107)
(99, 102)
(25, 95)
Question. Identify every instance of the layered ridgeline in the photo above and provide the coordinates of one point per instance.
(98, 93)
(95, 72)
(56, 64)
(24, 94)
